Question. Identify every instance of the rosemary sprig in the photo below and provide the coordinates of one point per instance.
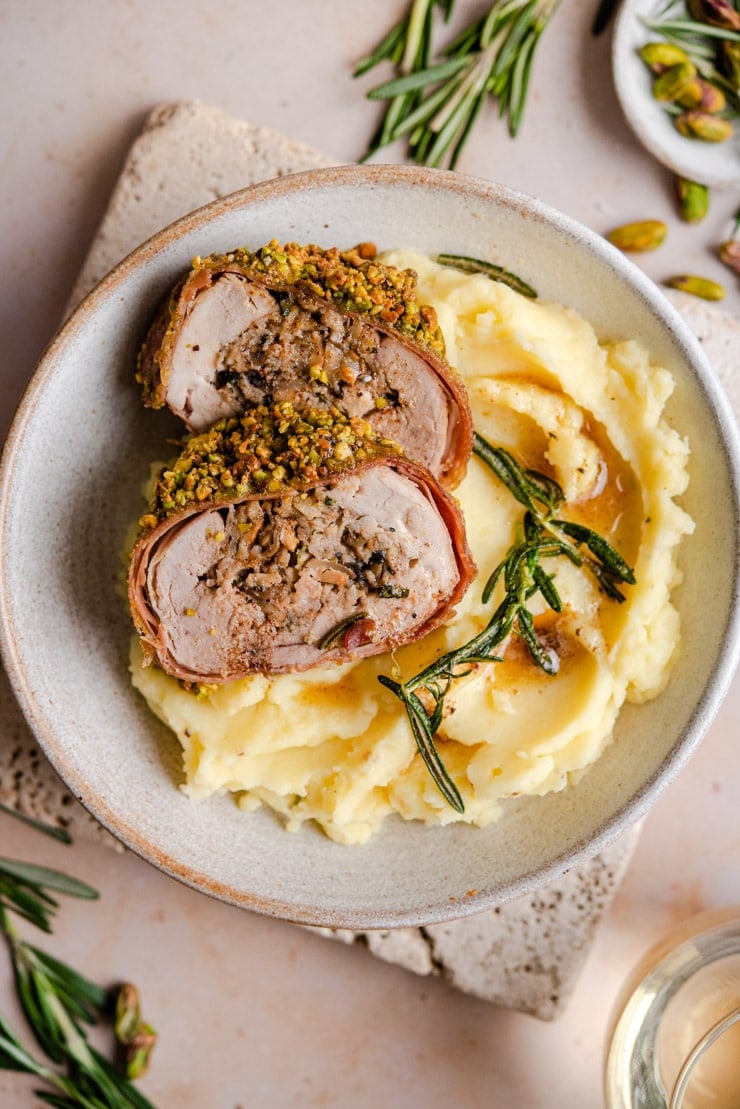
(541, 535)
(490, 269)
(408, 47)
(57, 1000)
(434, 105)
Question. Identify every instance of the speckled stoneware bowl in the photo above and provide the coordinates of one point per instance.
(80, 449)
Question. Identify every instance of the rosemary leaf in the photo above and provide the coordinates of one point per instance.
(38, 876)
(546, 660)
(419, 79)
(424, 737)
(13, 1056)
(689, 28)
(85, 996)
(470, 123)
(385, 50)
(56, 1100)
(60, 834)
(545, 584)
(599, 547)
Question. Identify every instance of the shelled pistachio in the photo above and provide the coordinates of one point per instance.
(698, 286)
(693, 200)
(696, 124)
(639, 236)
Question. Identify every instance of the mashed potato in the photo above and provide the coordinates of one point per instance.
(332, 745)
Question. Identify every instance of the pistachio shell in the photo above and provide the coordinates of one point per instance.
(697, 286)
(729, 60)
(640, 236)
(692, 95)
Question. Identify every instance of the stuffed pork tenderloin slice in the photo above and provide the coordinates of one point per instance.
(317, 327)
(283, 540)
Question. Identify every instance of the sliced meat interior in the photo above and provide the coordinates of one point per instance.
(289, 539)
(233, 337)
(216, 321)
(347, 570)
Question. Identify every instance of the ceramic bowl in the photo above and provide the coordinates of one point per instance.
(715, 164)
(77, 455)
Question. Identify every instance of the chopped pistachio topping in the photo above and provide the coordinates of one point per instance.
(353, 279)
(269, 450)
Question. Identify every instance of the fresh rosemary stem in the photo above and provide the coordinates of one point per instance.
(57, 1000)
(541, 535)
(435, 105)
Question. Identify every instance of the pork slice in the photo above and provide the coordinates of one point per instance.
(302, 350)
(217, 317)
(418, 412)
(235, 342)
(347, 570)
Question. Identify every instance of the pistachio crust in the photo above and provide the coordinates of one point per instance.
(352, 279)
(268, 450)
(382, 302)
(276, 463)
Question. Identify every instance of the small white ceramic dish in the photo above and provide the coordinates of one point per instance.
(80, 448)
(715, 164)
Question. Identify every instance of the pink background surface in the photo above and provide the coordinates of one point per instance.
(254, 1011)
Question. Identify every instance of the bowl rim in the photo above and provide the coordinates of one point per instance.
(384, 175)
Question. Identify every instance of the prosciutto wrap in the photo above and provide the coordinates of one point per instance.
(283, 540)
(319, 328)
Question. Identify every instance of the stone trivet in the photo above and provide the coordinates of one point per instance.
(526, 954)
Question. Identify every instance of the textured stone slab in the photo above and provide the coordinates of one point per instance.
(186, 156)
(526, 954)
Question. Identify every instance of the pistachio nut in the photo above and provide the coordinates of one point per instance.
(697, 286)
(661, 55)
(719, 13)
(691, 96)
(638, 237)
(713, 100)
(137, 1038)
(673, 81)
(696, 124)
(704, 95)
(729, 253)
(693, 200)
